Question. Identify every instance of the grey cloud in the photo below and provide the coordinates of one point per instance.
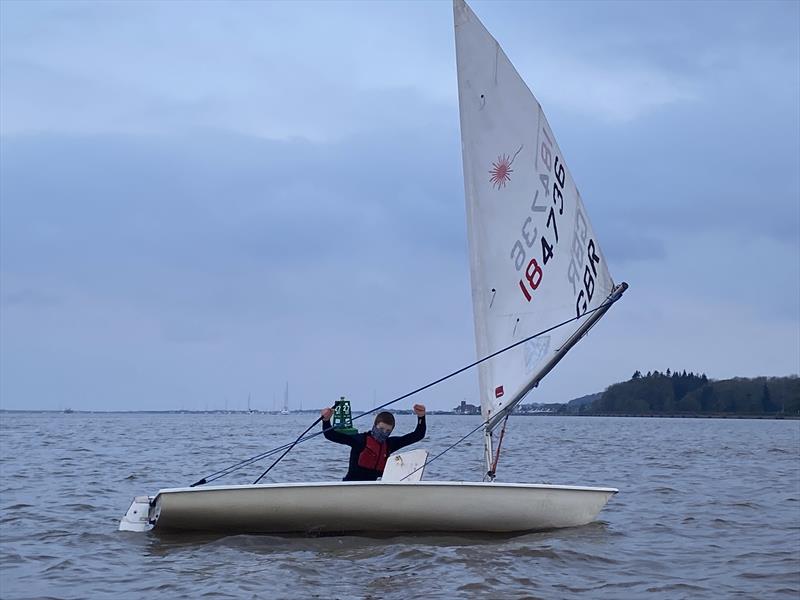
(33, 298)
(623, 245)
(226, 221)
(199, 250)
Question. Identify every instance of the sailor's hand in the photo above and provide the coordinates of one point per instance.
(419, 410)
(326, 414)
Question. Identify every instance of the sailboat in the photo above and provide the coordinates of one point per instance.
(535, 262)
(285, 409)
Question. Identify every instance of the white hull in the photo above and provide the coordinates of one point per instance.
(339, 507)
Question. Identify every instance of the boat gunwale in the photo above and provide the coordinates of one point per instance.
(323, 484)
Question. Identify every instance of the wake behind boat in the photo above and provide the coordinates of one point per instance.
(539, 283)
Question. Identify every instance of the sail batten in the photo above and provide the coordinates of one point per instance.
(534, 258)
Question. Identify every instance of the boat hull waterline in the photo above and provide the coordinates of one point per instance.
(352, 507)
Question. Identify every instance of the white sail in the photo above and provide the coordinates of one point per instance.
(534, 258)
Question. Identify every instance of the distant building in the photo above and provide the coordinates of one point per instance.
(467, 409)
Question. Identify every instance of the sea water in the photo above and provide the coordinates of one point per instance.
(708, 508)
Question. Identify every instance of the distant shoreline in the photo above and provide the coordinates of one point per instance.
(664, 415)
(778, 417)
(651, 415)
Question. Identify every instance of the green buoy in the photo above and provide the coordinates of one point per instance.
(342, 418)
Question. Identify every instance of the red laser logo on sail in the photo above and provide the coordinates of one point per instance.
(500, 173)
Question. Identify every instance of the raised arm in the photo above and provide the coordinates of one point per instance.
(331, 434)
(395, 443)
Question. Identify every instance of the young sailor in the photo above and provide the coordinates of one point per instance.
(369, 451)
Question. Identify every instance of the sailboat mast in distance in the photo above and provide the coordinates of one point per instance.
(285, 410)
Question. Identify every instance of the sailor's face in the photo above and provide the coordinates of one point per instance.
(385, 427)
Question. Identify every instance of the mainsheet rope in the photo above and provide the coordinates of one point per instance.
(304, 437)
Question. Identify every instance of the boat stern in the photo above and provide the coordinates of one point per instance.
(138, 516)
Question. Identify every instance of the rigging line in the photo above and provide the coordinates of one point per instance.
(235, 467)
(450, 447)
(607, 302)
(227, 471)
(277, 460)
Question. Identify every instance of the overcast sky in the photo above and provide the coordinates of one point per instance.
(201, 201)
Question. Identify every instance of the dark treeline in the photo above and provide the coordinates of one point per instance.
(691, 393)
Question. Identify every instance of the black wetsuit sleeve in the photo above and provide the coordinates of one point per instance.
(337, 436)
(395, 443)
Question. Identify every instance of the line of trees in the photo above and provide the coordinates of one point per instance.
(674, 392)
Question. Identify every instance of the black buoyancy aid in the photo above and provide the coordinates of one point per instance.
(374, 454)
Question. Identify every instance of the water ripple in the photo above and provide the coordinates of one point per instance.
(707, 509)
